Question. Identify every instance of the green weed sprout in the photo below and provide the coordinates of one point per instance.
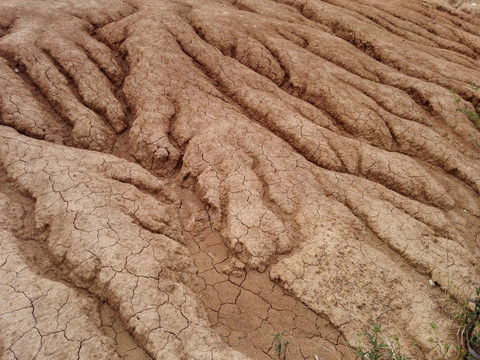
(471, 114)
(376, 348)
(280, 346)
(469, 319)
(441, 348)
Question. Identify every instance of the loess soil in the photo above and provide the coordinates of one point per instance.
(181, 179)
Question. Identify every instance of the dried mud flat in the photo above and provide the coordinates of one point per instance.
(181, 179)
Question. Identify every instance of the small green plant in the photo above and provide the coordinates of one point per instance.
(471, 114)
(469, 321)
(280, 346)
(442, 348)
(378, 347)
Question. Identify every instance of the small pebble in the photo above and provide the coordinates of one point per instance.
(431, 283)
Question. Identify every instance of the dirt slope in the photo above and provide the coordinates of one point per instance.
(182, 179)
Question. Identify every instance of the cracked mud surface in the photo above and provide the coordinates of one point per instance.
(182, 179)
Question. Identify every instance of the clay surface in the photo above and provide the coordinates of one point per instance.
(181, 179)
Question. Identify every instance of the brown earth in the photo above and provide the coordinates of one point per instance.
(182, 179)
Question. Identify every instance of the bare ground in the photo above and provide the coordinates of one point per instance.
(182, 179)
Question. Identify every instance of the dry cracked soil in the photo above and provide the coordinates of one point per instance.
(181, 179)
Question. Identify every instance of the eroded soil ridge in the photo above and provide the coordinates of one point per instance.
(182, 179)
